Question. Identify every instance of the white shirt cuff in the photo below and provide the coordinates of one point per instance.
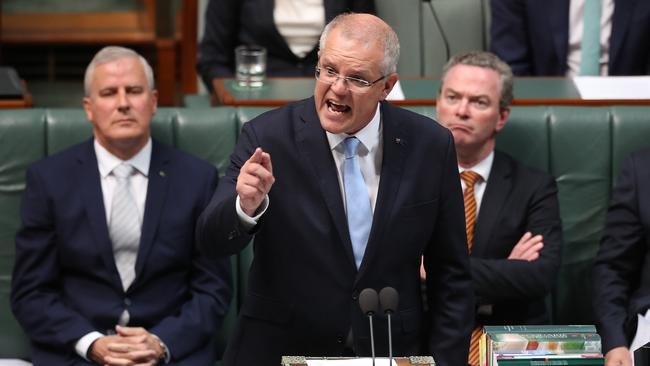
(247, 221)
(83, 344)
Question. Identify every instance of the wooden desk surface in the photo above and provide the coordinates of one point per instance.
(528, 91)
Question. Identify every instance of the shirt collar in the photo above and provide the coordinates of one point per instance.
(483, 167)
(369, 135)
(107, 161)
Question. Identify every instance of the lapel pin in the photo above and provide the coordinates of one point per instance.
(162, 173)
(398, 140)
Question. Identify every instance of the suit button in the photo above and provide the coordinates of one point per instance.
(339, 339)
(127, 301)
(232, 235)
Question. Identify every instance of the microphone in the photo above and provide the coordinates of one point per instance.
(369, 303)
(388, 299)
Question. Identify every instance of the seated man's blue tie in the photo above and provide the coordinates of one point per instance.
(359, 211)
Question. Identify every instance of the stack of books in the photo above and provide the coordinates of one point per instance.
(541, 345)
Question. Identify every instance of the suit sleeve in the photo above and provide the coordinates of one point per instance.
(498, 280)
(36, 274)
(509, 35)
(220, 37)
(219, 231)
(619, 261)
(210, 290)
(449, 287)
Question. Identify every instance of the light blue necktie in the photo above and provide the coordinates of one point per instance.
(590, 46)
(357, 200)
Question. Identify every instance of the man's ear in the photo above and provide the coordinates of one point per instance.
(503, 118)
(390, 82)
(154, 96)
(86, 104)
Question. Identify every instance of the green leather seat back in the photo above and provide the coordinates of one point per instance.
(581, 163)
(209, 133)
(526, 137)
(22, 142)
(162, 125)
(66, 127)
(630, 132)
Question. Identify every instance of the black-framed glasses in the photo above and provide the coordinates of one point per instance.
(356, 85)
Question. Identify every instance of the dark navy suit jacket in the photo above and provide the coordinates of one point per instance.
(517, 199)
(302, 296)
(230, 23)
(532, 36)
(65, 281)
(622, 267)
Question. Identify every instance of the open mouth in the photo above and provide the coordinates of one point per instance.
(336, 107)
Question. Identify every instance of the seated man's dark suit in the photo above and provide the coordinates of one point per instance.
(230, 23)
(65, 281)
(621, 277)
(303, 290)
(517, 199)
(532, 36)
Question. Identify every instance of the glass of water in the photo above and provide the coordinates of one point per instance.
(250, 62)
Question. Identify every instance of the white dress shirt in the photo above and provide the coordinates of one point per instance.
(483, 169)
(300, 22)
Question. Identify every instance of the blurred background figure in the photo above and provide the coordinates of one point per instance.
(572, 37)
(288, 29)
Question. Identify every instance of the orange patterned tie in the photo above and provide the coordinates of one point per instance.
(473, 358)
(470, 178)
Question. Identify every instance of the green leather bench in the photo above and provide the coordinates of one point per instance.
(581, 146)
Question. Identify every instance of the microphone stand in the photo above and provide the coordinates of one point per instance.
(372, 340)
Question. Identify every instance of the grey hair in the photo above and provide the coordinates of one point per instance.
(112, 53)
(486, 60)
(367, 33)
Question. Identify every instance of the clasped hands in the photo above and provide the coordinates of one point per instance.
(254, 181)
(130, 346)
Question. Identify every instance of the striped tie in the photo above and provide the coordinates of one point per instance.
(474, 358)
(470, 178)
(124, 226)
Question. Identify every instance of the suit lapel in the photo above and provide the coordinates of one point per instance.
(156, 193)
(395, 143)
(620, 25)
(91, 189)
(312, 143)
(494, 197)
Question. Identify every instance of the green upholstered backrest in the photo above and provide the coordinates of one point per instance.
(582, 147)
(22, 141)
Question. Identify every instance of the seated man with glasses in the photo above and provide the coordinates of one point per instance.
(341, 192)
